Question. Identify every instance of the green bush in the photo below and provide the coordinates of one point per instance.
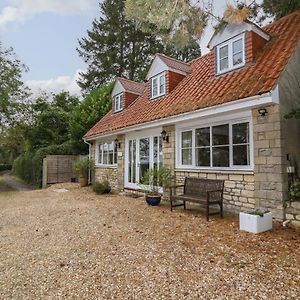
(101, 188)
(295, 190)
(5, 167)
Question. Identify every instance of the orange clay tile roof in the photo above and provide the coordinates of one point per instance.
(174, 63)
(132, 86)
(199, 90)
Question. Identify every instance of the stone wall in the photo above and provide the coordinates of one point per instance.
(238, 188)
(109, 174)
(270, 177)
(292, 213)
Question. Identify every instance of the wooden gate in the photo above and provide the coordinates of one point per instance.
(57, 169)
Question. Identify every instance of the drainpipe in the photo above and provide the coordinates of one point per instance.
(90, 145)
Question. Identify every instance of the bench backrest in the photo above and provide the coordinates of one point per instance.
(200, 186)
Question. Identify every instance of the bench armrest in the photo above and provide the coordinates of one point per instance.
(212, 191)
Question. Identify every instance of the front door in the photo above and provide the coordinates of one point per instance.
(142, 153)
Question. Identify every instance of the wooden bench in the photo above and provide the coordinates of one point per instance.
(207, 192)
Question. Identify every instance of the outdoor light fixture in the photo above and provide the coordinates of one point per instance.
(117, 143)
(262, 112)
(165, 136)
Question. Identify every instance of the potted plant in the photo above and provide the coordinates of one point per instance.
(81, 168)
(256, 220)
(295, 190)
(153, 181)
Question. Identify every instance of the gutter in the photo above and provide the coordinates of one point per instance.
(268, 98)
(90, 145)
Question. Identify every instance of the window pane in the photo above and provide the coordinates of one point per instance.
(220, 156)
(154, 87)
(155, 151)
(237, 46)
(186, 156)
(203, 137)
(237, 58)
(121, 102)
(223, 52)
(162, 84)
(241, 155)
(186, 139)
(220, 135)
(240, 133)
(223, 64)
(203, 157)
(100, 154)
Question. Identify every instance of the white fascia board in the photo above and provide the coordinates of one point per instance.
(231, 107)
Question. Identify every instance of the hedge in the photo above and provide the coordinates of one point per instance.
(5, 167)
(29, 166)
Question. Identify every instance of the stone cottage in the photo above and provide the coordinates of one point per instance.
(218, 116)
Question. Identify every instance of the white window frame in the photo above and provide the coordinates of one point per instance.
(158, 79)
(97, 154)
(232, 167)
(230, 54)
(118, 103)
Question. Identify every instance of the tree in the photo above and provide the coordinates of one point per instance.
(115, 47)
(177, 22)
(94, 106)
(279, 8)
(12, 89)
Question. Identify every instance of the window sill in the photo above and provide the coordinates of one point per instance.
(157, 97)
(106, 166)
(217, 170)
(219, 73)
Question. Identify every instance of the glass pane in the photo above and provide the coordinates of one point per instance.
(237, 58)
(220, 135)
(186, 158)
(110, 157)
(241, 155)
(203, 137)
(221, 156)
(203, 157)
(144, 156)
(160, 152)
(154, 87)
(134, 161)
(100, 154)
(223, 52)
(238, 46)
(240, 133)
(130, 162)
(186, 139)
(121, 101)
(162, 84)
(155, 151)
(223, 64)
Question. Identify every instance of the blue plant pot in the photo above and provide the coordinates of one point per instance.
(153, 200)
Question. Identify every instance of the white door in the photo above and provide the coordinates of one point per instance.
(141, 154)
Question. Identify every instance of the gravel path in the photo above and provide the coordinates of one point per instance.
(15, 184)
(76, 245)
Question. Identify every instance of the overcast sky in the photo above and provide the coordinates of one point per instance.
(45, 33)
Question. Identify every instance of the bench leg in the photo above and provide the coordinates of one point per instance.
(171, 203)
(221, 210)
(184, 206)
(207, 212)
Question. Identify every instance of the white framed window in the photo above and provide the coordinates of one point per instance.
(231, 54)
(216, 146)
(118, 102)
(158, 85)
(107, 153)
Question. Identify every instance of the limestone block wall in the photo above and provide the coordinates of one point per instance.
(238, 188)
(109, 174)
(292, 213)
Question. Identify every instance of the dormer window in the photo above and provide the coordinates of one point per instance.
(158, 85)
(118, 102)
(231, 55)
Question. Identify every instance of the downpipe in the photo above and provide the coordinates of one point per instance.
(90, 175)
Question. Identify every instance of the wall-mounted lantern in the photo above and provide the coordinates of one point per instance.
(164, 136)
(262, 112)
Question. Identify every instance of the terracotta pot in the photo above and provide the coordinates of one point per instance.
(83, 181)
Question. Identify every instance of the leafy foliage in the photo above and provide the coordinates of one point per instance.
(279, 8)
(101, 187)
(295, 189)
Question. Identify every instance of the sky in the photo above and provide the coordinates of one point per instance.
(45, 33)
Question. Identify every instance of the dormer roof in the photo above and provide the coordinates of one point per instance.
(162, 63)
(199, 90)
(126, 85)
(228, 31)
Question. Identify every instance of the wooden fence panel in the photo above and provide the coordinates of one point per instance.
(58, 169)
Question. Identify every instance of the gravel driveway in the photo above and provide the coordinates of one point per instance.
(76, 245)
